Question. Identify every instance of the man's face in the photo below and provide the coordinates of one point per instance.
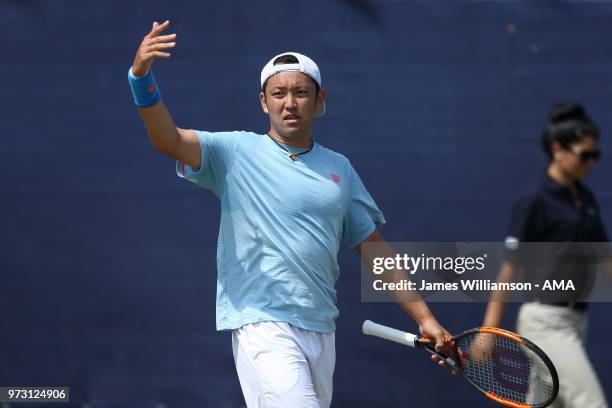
(291, 101)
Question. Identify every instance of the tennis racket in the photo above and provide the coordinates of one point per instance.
(504, 366)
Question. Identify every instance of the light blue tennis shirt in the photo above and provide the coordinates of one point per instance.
(282, 223)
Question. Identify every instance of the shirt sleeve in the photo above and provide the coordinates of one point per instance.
(362, 214)
(217, 154)
(522, 228)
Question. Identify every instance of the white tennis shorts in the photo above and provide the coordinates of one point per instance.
(282, 366)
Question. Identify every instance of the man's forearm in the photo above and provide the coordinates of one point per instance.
(181, 144)
(160, 127)
(410, 301)
(418, 310)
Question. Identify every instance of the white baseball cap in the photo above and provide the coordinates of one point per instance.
(305, 65)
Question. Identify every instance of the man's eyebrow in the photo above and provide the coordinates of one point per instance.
(302, 86)
(283, 87)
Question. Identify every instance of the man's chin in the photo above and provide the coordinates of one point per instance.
(292, 132)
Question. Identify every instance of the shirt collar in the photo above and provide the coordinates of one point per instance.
(552, 185)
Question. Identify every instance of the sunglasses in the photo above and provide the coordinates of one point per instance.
(586, 155)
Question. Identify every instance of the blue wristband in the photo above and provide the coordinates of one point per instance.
(145, 90)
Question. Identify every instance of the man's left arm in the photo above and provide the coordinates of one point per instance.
(414, 306)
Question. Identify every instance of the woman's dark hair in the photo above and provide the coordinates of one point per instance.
(568, 123)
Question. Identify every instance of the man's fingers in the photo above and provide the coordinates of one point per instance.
(159, 54)
(160, 46)
(151, 54)
(161, 27)
(438, 360)
(157, 29)
(158, 39)
(153, 27)
(440, 342)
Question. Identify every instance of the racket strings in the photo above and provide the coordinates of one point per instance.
(505, 368)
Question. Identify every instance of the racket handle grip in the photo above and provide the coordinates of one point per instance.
(370, 328)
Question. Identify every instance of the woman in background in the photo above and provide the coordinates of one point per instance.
(558, 209)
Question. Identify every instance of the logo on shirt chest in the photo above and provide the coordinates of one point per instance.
(335, 178)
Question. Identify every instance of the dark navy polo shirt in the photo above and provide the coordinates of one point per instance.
(548, 213)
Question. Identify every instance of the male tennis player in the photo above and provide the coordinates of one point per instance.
(287, 203)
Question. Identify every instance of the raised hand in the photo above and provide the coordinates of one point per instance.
(153, 46)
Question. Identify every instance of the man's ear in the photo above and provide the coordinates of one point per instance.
(262, 100)
(321, 95)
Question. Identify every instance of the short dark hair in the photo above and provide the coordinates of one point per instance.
(289, 59)
(568, 123)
